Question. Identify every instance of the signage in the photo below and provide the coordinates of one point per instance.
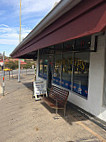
(81, 44)
(1, 63)
(39, 89)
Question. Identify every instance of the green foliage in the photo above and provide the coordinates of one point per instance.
(11, 65)
(28, 65)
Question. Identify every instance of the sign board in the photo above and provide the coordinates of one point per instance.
(1, 63)
(39, 89)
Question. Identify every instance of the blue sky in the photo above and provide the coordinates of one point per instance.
(32, 13)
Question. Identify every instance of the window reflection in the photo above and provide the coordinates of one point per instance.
(57, 70)
(45, 66)
(41, 66)
(67, 67)
(69, 64)
(81, 71)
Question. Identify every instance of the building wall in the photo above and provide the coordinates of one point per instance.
(94, 103)
(96, 80)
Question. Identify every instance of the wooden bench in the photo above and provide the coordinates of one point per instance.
(57, 98)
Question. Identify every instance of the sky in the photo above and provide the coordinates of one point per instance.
(33, 11)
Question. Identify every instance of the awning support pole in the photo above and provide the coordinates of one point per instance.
(19, 42)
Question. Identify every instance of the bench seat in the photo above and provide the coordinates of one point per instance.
(57, 98)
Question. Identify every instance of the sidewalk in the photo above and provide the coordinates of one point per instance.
(22, 119)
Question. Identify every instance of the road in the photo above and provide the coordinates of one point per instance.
(15, 72)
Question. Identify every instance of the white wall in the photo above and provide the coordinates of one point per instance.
(96, 80)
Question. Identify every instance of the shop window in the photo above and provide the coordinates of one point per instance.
(57, 70)
(104, 95)
(67, 62)
(81, 71)
(45, 64)
(41, 66)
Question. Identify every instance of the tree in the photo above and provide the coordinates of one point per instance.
(11, 65)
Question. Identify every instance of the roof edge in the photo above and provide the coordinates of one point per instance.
(61, 8)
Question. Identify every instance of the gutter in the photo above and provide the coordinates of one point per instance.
(62, 7)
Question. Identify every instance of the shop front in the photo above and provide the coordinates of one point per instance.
(69, 45)
(79, 69)
(67, 65)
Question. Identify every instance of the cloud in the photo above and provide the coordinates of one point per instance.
(30, 6)
(10, 35)
(32, 12)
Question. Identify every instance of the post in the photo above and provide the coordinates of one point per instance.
(3, 58)
(9, 75)
(19, 70)
(3, 63)
(37, 65)
(3, 72)
(19, 42)
(12, 73)
(3, 85)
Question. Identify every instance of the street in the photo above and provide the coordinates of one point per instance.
(15, 72)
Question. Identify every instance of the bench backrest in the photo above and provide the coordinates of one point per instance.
(59, 94)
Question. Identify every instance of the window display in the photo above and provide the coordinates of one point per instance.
(67, 62)
(57, 70)
(41, 67)
(104, 95)
(70, 65)
(43, 64)
(81, 71)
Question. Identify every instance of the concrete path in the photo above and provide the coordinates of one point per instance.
(22, 119)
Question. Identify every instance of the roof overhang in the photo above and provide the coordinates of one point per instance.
(68, 20)
(61, 8)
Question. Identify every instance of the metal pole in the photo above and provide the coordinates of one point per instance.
(19, 70)
(3, 72)
(19, 42)
(3, 86)
(12, 73)
(3, 60)
(9, 75)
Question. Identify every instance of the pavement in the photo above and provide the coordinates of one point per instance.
(22, 119)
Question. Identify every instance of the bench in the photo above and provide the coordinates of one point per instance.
(57, 98)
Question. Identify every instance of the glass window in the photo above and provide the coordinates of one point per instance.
(41, 66)
(69, 65)
(57, 70)
(104, 96)
(45, 66)
(67, 70)
(81, 71)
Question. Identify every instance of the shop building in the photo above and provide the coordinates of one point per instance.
(69, 45)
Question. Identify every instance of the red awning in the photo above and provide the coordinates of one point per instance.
(88, 23)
